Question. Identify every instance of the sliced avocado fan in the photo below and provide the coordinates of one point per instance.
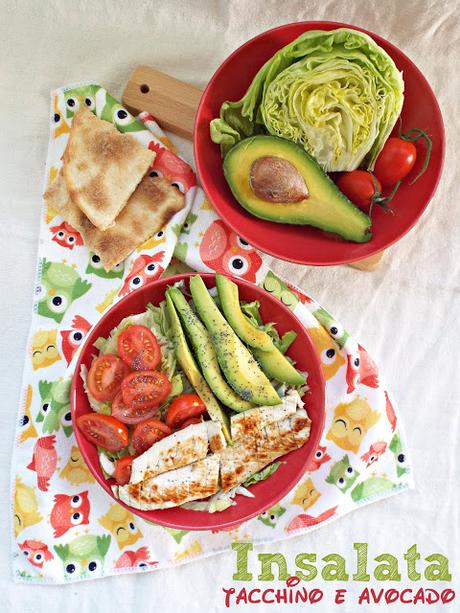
(230, 302)
(238, 365)
(186, 360)
(205, 353)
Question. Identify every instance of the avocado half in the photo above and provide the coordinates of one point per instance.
(276, 180)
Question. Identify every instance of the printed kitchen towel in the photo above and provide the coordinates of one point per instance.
(64, 526)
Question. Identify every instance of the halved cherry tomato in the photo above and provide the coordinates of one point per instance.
(358, 186)
(147, 433)
(123, 466)
(105, 376)
(395, 161)
(139, 348)
(145, 389)
(190, 421)
(103, 430)
(184, 407)
(128, 414)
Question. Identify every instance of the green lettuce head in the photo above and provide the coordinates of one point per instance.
(337, 94)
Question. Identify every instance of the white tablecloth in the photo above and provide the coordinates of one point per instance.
(406, 313)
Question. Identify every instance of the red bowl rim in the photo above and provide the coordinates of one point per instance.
(310, 25)
(269, 502)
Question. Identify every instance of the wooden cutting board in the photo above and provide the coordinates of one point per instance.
(174, 103)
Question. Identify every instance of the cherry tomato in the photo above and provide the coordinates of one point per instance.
(128, 414)
(123, 466)
(184, 407)
(103, 430)
(139, 348)
(358, 186)
(105, 376)
(189, 422)
(145, 389)
(147, 433)
(395, 161)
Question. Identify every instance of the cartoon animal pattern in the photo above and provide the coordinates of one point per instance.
(26, 424)
(54, 410)
(69, 511)
(59, 286)
(121, 523)
(66, 236)
(95, 267)
(36, 552)
(65, 527)
(75, 470)
(44, 349)
(270, 516)
(224, 251)
(145, 269)
(72, 339)
(140, 558)
(84, 555)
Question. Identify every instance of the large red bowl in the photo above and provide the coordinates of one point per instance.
(267, 493)
(303, 244)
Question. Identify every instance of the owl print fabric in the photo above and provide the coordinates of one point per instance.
(65, 527)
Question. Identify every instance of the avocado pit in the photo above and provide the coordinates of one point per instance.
(274, 179)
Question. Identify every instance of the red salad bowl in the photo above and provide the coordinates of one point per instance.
(266, 493)
(304, 244)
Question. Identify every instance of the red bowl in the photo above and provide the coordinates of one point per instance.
(267, 493)
(303, 244)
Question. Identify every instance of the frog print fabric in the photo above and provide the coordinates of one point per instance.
(65, 528)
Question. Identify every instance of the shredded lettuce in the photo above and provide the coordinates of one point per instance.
(251, 310)
(335, 93)
(262, 474)
(219, 502)
(286, 341)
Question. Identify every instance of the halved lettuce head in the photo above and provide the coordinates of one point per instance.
(337, 94)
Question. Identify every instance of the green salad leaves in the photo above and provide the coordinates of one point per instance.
(337, 94)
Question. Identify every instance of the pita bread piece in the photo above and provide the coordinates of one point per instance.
(102, 167)
(151, 206)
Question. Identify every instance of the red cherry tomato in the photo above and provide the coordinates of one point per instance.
(128, 414)
(184, 407)
(105, 376)
(123, 466)
(190, 421)
(139, 348)
(358, 186)
(104, 431)
(147, 433)
(395, 161)
(145, 389)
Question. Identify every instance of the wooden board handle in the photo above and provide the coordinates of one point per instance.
(172, 103)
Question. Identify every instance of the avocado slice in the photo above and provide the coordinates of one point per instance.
(205, 353)
(276, 366)
(274, 179)
(230, 303)
(238, 365)
(186, 360)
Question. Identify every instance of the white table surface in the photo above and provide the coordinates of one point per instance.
(406, 313)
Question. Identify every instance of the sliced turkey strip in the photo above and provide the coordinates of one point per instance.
(173, 488)
(252, 452)
(178, 449)
(253, 420)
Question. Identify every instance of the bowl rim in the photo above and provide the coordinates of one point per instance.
(285, 489)
(310, 25)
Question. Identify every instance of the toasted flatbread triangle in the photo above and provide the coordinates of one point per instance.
(102, 167)
(151, 206)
